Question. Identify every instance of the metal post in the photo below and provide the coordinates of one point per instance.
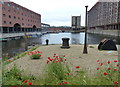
(85, 42)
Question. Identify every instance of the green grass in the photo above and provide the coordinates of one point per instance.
(15, 77)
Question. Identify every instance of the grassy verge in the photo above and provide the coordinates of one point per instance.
(19, 55)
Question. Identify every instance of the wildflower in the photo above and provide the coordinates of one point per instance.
(115, 69)
(77, 67)
(115, 82)
(98, 60)
(28, 54)
(115, 61)
(30, 83)
(25, 81)
(65, 82)
(105, 73)
(98, 68)
(65, 59)
(14, 86)
(47, 61)
(108, 62)
(60, 83)
(54, 54)
(48, 57)
(63, 55)
(101, 64)
(9, 60)
(108, 68)
(39, 55)
(117, 65)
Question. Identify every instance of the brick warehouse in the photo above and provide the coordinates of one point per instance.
(16, 18)
(104, 16)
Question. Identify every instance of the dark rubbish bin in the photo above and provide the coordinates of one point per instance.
(107, 44)
(47, 41)
(65, 43)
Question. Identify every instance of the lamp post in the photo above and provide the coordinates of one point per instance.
(85, 41)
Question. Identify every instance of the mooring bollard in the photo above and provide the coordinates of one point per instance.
(47, 41)
(65, 43)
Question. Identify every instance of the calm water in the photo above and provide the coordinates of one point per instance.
(13, 47)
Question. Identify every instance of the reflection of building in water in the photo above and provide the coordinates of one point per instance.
(75, 38)
(76, 23)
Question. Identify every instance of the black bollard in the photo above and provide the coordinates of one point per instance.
(65, 43)
(47, 41)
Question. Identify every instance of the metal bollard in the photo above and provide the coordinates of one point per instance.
(65, 43)
(47, 41)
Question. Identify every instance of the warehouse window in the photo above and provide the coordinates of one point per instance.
(8, 5)
(10, 22)
(4, 15)
(9, 16)
(3, 8)
(14, 17)
(2, 2)
(4, 22)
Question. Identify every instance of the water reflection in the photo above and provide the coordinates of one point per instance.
(57, 38)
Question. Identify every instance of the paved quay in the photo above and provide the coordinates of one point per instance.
(74, 56)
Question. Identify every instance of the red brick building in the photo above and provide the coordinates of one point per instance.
(16, 18)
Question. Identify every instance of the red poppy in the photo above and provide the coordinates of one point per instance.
(30, 83)
(25, 81)
(108, 62)
(98, 68)
(77, 66)
(117, 65)
(98, 60)
(115, 69)
(47, 61)
(105, 73)
(63, 55)
(115, 60)
(14, 86)
(65, 82)
(39, 55)
(54, 53)
(28, 54)
(60, 83)
(115, 82)
(101, 64)
(65, 59)
(48, 57)
(109, 68)
(9, 60)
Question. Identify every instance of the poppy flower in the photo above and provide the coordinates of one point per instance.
(60, 83)
(14, 86)
(48, 57)
(28, 54)
(115, 60)
(25, 81)
(115, 69)
(117, 65)
(105, 73)
(65, 82)
(98, 68)
(115, 82)
(109, 68)
(54, 53)
(108, 62)
(101, 64)
(65, 59)
(30, 83)
(9, 60)
(98, 60)
(77, 66)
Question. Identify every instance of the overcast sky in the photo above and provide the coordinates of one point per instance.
(58, 12)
